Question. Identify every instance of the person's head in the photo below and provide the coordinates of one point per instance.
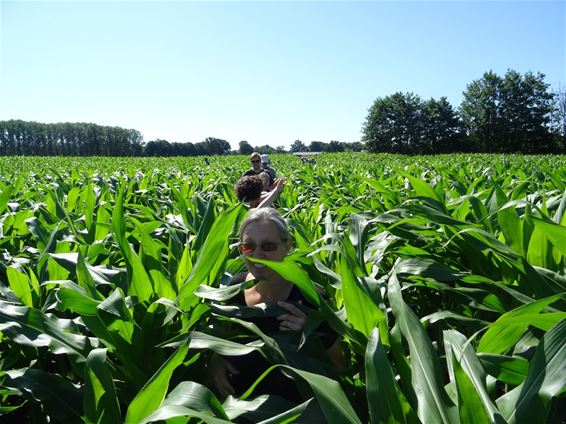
(255, 160)
(248, 189)
(265, 179)
(264, 235)
(264, 161)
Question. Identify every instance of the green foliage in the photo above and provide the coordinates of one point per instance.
(403, 123)
(509, 114)
(445, 278)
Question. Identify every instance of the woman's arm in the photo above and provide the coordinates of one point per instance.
(272, 196)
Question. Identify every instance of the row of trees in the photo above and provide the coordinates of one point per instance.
(513, 113)
(67, 139)
(210, 146)
(80, 139)
(299, 146)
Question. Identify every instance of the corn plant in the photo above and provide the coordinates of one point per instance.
(445, 275)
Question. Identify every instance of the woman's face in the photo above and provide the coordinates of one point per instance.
(262, 240)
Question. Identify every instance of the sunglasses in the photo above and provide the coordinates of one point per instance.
(255, 161)
(266, 246)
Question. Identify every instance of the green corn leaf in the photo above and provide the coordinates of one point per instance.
(100, 400)
(506, 331)
(190, 399)
(152, 394)
(539, 250)
(469, 376)
(21, 285)
(362, 311)
(184, 268)
(384, 399)
(330, 396)
(530, 402)
(511, 227)
(170, 412)
(470, 406)
(198, 340)
(60, 398)
(423, 189)
(85, 279)
(150, 253)
(140, 282)
(263, 408)
(291, 271)
(213, 252)
(31, 327)
(434, 405)
(507, 369)
(5, 197)
(73, 297)
(556, 233)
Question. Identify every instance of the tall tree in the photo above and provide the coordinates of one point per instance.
(298, 146)
(216, 146)
(559, 120)
(317, 146)
(394, 124)
(441, 129)
(245, 148)
(508, 114)
(334, 146)
(265, 149)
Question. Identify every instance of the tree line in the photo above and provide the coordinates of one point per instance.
(86, 139)
(499, 114)
(67, 139)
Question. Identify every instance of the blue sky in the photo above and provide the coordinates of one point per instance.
(267, 72)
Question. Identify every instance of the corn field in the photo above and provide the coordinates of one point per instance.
(445, 275)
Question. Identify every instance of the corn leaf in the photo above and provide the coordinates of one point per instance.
(434, 405)
(100, 400)
(384, 400)
(507, 329)
(530, 402)
(151, 396)
(467, 372)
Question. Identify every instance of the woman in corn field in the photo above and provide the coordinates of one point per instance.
(264, 235)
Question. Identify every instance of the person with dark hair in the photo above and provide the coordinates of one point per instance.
(251, 189)
(264, 235)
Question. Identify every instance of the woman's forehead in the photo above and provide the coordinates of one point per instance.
(261, 229)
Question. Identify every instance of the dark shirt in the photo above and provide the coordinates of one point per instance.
(252, 365)
(271, 173)
(252, 172)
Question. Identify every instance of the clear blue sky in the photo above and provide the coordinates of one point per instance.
(266, 72)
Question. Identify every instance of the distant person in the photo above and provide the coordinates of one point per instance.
(250, 189)
(306, 160)
(265, 166)
(206, 161)
(255, 160)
